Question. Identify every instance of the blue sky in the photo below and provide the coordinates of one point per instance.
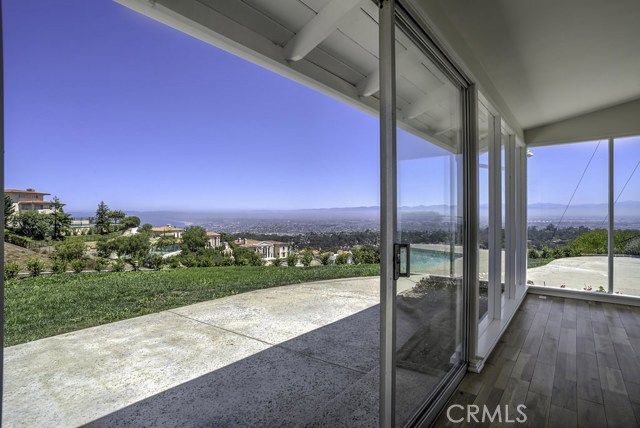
(554, 172)
(105, 104)
(102, 103)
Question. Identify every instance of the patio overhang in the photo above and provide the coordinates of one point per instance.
(330, 46)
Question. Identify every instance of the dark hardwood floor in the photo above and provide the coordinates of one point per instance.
(572, 363)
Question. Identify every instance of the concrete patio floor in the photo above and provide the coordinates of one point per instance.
(578, 272)
(298, 355)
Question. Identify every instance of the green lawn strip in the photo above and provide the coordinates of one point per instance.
(533, 263)
(53, 304)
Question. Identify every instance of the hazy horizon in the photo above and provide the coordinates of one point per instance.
(353, 207)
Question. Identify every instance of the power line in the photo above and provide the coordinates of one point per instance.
(576, 189)
(621, 191)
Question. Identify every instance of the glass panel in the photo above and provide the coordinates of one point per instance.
(626, 262)
(483, 200)
(430, 220)
(567, 215)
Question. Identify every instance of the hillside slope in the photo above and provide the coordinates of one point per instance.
(20, 255)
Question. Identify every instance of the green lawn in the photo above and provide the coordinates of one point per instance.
(53, 304)
(532, 263)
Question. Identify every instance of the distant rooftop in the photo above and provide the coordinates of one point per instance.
(32, 191)
(36, 201)
(243, 242)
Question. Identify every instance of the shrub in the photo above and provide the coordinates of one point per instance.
(14, 239)
(156, 262)
(101, 264)
(277, 262)
(103, 247)
(325, 259)
(435, 283)
(189, 260)
(35, 266)
(307, 258)
(59, 265)
(11, 270)
(70, 249)
(546, 252)
(342, 258)
(118, 265)
(78, 265)
(292, 259)
(366, 255)
(632, 247)
(533, 253)
(174, 262)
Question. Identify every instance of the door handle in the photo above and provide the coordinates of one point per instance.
(397, 256)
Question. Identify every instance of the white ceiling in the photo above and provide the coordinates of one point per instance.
(552, 59)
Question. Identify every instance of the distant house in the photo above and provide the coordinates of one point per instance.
(268, 250)
(215, 240)
(167, 231)
(29, 200)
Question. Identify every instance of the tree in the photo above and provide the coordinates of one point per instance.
(116, 216)
(194, 238)
(103, 222)
(9, 209)
(146, 228)
(34, 225)
(164, 243)
(60, 221)
(130, 246)
(130, 221)
(245, 257)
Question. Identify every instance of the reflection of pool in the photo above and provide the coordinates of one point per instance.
(424, 260)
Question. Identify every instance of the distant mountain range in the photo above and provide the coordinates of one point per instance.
(369, 215)
(621, 208)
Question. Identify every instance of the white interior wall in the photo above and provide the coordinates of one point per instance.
(622, 120)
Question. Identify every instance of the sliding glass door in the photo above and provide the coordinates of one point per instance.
(429, 212)
(428, 221)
